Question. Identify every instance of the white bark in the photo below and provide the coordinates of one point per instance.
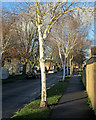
(67, 65)
(43, 74)
(64, 69)
(60, 55)
(71, 68)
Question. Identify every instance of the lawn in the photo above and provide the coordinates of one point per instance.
(16, 74)
(33, 111)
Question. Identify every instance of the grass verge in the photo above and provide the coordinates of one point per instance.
(33, 111)
(15, 74)
(80, 75)
(89, 103)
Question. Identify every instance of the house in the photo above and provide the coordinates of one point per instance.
(15, 66)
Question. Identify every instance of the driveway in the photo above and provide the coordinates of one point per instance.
(16, 95)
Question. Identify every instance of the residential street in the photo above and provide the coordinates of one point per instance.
(54, 39)
(16, 95)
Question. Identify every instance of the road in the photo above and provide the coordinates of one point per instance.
(16, 95)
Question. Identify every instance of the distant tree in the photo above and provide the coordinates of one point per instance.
(68, 33)
(52, 51)
(8, 44)
(20, 39)
(79, 57)
(79, 54)
(28, 42)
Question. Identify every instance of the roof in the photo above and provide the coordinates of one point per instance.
(91, 60)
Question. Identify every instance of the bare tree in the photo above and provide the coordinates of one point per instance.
(28, 41)
(20, 39)
(67, 33)
(52, 51)
(45, 15)
(7, 35)
(80, 52)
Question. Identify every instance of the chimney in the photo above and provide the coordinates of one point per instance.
(93, 51)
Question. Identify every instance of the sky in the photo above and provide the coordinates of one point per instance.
(48, 0)
(11, 5)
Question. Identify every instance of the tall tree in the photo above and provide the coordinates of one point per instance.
(53, 12)
(20, 39)
(68, 33)
(28, 42)
(8, 36)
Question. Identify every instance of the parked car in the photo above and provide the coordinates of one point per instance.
(32, 74)
(52, 71)
(35, 74)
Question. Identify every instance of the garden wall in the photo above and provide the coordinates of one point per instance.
(91, 81)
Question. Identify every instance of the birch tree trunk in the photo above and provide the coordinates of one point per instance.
(67, 66)
(60, 55)
(71, 68)
(43, 74)
(64, 69)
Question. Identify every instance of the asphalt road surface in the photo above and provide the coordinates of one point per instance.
(16, 95)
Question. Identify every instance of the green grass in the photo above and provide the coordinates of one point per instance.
(16, 74)
(68, 76)
(89, 103)
(80, 75)
(56, 92)
(33, 111)
(85, 91)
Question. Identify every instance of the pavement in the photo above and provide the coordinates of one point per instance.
(73, 103)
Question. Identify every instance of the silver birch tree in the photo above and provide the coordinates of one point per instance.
(67, 34)
(53, 12)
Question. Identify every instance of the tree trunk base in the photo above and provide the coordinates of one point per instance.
(43, 104)
(71, 73)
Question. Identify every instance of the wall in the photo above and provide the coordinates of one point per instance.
(91, 82)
